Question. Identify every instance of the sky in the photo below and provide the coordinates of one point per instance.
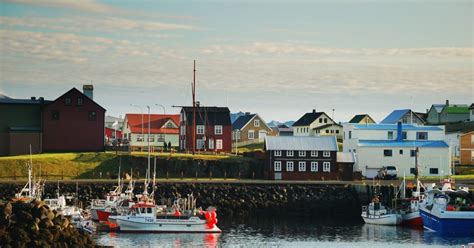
(280, 59)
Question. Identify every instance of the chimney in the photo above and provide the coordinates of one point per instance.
(447, 102)
(314, 111)
(33, 98)
(88, 90)
(399, 132)
(247, 113)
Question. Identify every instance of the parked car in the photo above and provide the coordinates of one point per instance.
(387, 172)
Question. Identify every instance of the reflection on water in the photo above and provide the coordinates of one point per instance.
(288, 232)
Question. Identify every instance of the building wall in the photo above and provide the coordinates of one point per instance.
(226, 137)
(364, 134)
(446, 117)
(330, 131)
(244, 132)
(173, 138)
(452, 139)
(302, 175)
(433, 116)
(4, 143)
(19, 115)
(471, 114)
(411, 119)
(373, 158)
(301, 131)
(73, 131)
(20, 143)
(467, 148)
(365, 120)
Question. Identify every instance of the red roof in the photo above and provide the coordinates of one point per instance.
(157, 122)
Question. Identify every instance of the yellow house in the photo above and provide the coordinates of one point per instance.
(250, 128)
(362, 119)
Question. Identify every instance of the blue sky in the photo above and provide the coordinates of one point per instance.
(278, 58)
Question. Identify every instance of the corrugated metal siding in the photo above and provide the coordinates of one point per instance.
(326, 143)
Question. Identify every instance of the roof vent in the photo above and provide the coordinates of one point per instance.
(314, 111)
(247, 113)
(33, 98)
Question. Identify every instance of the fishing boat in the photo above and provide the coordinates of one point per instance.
(148, 217)
(448, 212)
(408, 207)
(377, 214)
(33, 189)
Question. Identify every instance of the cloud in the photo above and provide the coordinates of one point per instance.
(78, 24)
(82, 5)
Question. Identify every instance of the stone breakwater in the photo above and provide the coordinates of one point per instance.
(35, 225)
(318, 201)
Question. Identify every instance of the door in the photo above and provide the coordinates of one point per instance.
(262, 134)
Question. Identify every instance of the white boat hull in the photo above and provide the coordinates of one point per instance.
(141, 224)
(387, 219)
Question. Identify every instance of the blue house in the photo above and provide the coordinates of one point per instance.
(405, 116)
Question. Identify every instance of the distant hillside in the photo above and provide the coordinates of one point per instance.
(2, 96)
(234, 116)
(276, 123)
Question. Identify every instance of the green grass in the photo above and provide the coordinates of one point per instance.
(251, 148)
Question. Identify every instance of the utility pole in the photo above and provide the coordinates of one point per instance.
(194, 108)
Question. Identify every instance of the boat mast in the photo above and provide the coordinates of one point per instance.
(418, 184)
(30, 171)
(194, 108)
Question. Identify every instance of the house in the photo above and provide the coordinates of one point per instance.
(405, 116)
(454, 113)
(362, 119)
(113, 128)
(379, 145)
(467, 148)
(471, 113)
(163, 128)
(434, 113)
(21, 125)
(301, 158)
(73, 122)
(112, 134)
(316, 124)
(250, 128)
(213, 129)
(283, 130)
(454, 130)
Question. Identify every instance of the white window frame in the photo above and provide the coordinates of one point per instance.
(302, 166)
(219, 144)
(202, 142)
(277, 166)
(256, 123)
(211, 144)
(326, 154)
(301, 153)
(183, 130)
(472, 138)
(277, 153)
(251, 137)
(314, 166)
(314, 153)
(327, 166)
(200, 129)
(289, 153)
(290, 165)
(218, 130)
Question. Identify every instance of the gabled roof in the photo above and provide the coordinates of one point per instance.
(394, 127)
(208, 116)
(241, 121)
(396, 115)
(301, 143)
(456, 109)
(438, 107)
(157, 122)
(23, 101)
(359, 118)
(345, 157)
(405, 143)
(74, 89)
(472, 106)
(327, 125)
(307, 119)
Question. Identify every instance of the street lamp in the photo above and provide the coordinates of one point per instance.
(163, 107)
(141, 109)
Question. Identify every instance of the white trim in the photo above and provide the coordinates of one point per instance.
(315, 164)
(301, 164)
(292, 153)
(288, 163)
(326, 169)
(277, 164)
(277, 153)
(261, 121)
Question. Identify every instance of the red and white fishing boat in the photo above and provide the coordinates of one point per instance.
(409, 207)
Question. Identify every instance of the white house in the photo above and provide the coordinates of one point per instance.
(316, 124)
(379, 145)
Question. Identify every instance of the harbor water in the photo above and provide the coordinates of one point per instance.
(288, 232)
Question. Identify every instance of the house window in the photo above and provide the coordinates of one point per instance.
(211, 144)
(80, 101)
(151, 138)
(337, 131)
(169, 125)
(314, 153)
(302, 153)
(92, 115)
(332, 131)
(354, 150)
(314, 166)
(327, 166)
(183, 130)
(321, 120)
(404, 135)
(326, 154)
(217, 129)
(421, 135)
(434, 171)
(390, 135)
(200, 129)
(219, 144)
(412, 171)
(401, 152)
(277, 153)
(289, 153)
(251, 135)
(387, 153)
(472, 155)
(302, 166)
(55, 115)
(139, 138)
(325, 120)
(200, 144)
(256, 123)
(412, 153)
(277, 166)
(67, 101)
(289, 166)
(161, 137)
(472, 138)
(350, 134)
(327, 131)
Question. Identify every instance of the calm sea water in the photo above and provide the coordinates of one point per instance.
(288, 232)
